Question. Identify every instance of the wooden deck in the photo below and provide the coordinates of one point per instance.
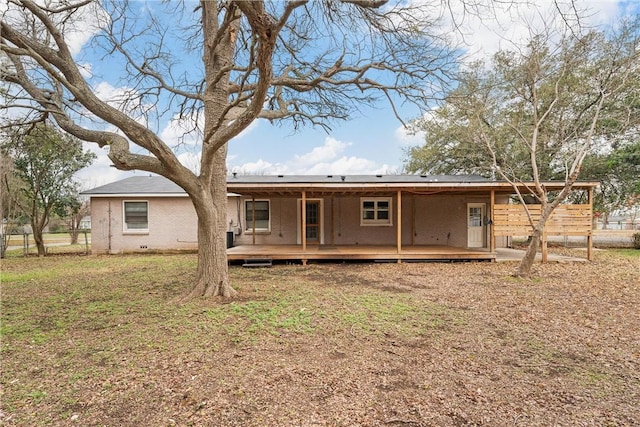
(358, 252)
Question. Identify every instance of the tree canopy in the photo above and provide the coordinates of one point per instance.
(567, 81)
(45, 161)
(535, 113)
(214, 67)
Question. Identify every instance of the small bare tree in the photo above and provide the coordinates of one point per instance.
(535, 113)
(11, 212)
(75, 211)
(570, 98)
(220, 67)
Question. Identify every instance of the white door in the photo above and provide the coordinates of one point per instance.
(475, 226)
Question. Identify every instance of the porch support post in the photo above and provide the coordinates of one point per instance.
(333, 220)
(492, 234)
(303, 222)
(399, 226)
(413, 220)
(590, 233)
(253, 218)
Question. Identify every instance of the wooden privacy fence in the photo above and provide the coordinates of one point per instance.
(566, 220)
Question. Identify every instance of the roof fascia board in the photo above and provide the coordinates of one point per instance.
(399, 186)
(139, 195)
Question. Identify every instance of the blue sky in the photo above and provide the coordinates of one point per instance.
(372, 141)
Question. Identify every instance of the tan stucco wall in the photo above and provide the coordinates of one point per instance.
(283, 222)
(172, 225)
(439, 220)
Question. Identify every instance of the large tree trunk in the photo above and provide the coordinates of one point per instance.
(211, 208)
(210, 198)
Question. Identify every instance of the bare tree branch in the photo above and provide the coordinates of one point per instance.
(218, 67)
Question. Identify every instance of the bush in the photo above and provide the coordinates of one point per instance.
(636, 240)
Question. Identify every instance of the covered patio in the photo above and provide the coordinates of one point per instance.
(388, 218)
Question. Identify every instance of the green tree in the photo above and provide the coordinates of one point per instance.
(220, 66)
(618, 171)
(46, 159)
(535, 113)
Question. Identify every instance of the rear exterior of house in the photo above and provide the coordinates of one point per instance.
(392, 217)
(142, 213)
(142, 222)
(453, 220)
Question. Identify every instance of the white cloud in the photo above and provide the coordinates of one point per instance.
(77, 27)
(345, 165)
(324, 159)
(117, 97)
(86, 70)
(124, 99)
(183, 130)
(330, 150)
(86, 22)
(191, 160)
(406, 137)
(501, 25)
(259, 167)
(101, 171)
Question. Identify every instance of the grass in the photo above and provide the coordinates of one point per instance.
(627, 252)
(100, 338)
(304, 310)
(50, 296)
(107, 305)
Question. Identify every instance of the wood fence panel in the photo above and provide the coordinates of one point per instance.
(566, 220)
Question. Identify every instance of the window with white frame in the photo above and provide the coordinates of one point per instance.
(257, 214)
(136, 216)
(375, 211)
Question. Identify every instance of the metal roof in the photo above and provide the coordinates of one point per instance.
(351, 179)
(158, 186)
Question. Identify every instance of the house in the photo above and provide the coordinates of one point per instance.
(301, 217)
(85, 223)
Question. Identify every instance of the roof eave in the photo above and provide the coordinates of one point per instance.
(129, 195)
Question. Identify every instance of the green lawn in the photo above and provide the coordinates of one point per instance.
(101, 341)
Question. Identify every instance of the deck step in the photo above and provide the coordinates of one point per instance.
(258, 262)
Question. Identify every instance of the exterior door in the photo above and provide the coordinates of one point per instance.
(313, 221)
(475, 225)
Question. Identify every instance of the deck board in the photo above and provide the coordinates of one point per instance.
(356, 252)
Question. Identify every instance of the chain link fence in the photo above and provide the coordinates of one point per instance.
(23, 244)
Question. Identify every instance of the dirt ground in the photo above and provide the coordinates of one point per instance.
(437, 344)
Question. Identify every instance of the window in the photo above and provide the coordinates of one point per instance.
(262, 217)
(136, 216)
(375, 211)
